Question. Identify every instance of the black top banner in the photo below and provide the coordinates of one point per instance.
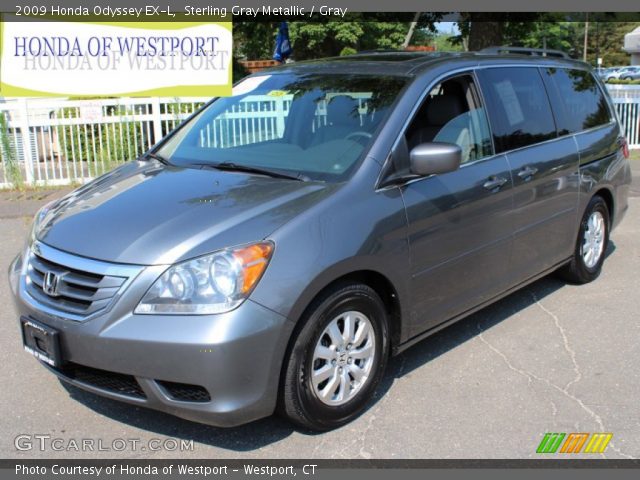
(354, 5)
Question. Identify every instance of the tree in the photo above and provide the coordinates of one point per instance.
(256, 40)
(479, 30)
(605, 39)
(315, 40)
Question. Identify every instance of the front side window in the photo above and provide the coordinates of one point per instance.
(452, 113)
(582, 104)
(520, 113)
(317, 125)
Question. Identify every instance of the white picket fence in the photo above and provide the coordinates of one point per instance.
(60, 142)
(627, 102)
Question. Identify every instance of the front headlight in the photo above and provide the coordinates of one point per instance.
(213, 283)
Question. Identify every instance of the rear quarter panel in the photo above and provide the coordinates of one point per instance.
(603, 166)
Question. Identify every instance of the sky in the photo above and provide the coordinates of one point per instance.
(448, 28)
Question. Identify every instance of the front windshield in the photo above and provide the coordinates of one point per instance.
(303, 124)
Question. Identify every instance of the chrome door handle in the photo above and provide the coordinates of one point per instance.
(494, 183)
(527, 172)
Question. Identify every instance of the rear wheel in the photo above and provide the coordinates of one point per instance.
(591, 245)
(337, 360)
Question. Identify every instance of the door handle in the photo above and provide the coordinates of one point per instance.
(494, 183)
(527, 172)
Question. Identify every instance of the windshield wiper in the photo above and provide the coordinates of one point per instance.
(230, 166)
(156, 156)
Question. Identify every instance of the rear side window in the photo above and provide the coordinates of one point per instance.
(581, 103)
(519, 109)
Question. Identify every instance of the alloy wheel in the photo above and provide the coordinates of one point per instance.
(343, 358)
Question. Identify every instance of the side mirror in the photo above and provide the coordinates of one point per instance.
(435, 157)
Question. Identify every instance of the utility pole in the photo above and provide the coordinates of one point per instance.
(412, 28)
(598, 58)
(586, 37)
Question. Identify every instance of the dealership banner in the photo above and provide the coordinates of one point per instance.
(57, 58)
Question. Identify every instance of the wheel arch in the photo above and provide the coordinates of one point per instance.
(607, 196)
(379, 282)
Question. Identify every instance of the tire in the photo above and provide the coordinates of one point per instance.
(318, 351)
(583, 268)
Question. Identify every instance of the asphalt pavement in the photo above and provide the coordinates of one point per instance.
(549, 358)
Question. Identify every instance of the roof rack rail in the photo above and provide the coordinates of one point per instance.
(381, 50)
(542, 52)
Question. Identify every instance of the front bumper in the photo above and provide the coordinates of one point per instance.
(236, 356)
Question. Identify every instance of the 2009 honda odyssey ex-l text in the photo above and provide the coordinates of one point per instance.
(274, 250)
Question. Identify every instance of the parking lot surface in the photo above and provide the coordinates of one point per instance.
(549, 358)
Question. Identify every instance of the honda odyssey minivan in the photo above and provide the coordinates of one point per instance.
(273, 251)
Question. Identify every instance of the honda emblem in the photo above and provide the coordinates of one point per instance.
(50, 284)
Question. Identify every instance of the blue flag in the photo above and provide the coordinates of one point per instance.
(283, 45)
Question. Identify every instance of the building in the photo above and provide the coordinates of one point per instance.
(632, 45)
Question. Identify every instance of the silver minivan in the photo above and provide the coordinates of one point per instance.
(282, 243)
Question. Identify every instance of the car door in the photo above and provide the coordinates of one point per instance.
(544, 167)
(459, 223)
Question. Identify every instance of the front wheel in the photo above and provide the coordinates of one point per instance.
(337, 360)
(591, 245)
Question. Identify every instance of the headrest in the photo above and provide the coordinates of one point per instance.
(343, 110)
(443, 108)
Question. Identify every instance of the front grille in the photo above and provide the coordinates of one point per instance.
(103, 379)
(77, 292)
(185, 392)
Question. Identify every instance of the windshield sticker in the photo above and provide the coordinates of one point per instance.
(278, 93)
(510, 102)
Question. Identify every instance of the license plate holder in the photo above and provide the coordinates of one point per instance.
(41, 341)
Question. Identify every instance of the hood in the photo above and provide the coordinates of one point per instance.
(148, 213)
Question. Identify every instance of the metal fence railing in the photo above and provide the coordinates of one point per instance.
(59, 142)
(627, 102)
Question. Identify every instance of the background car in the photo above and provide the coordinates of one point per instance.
(632, 75)
(605, 73)
(624, 73)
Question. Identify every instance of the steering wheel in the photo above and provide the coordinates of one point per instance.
(359, 133)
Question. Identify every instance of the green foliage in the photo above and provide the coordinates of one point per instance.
(424, 36)
(348, 51)
(479, 29)
(7, 155)
(446, 43)
(256, 40)
(604, 39)
(617, 81)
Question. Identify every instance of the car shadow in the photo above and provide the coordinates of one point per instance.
(274, 429)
